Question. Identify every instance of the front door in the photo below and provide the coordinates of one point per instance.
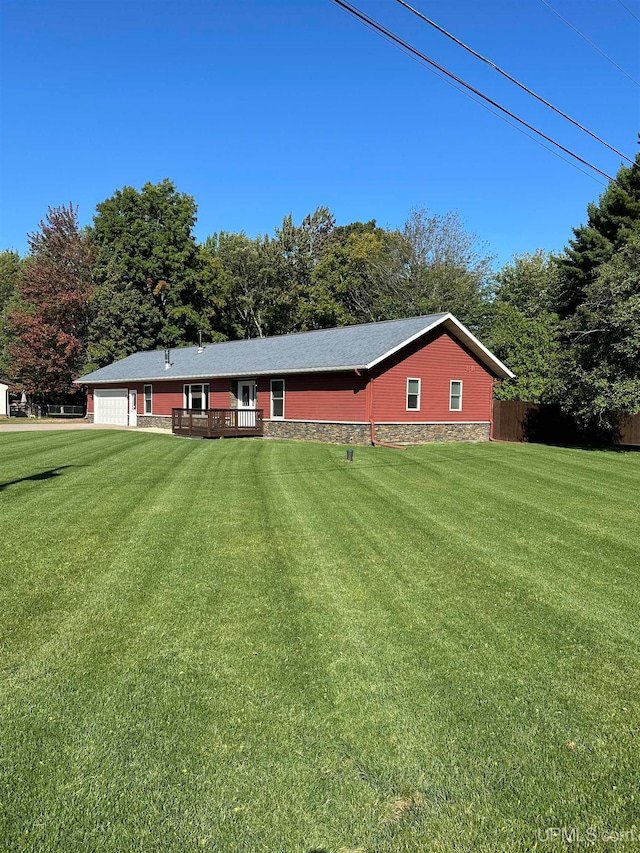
(133, 408)
(246, 401)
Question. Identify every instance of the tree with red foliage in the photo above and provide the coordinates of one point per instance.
(51, 323)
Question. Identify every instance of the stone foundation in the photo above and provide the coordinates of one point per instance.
(350, 433)
(160, 421)
(424, 433)
(89, 417)
(334, 433)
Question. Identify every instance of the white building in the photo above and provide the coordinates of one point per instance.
(4, 399)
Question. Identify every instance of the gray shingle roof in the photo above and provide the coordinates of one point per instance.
(345, 348)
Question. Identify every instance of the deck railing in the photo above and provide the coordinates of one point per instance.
(217, 423)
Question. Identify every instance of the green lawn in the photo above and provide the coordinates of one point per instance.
(256, 646)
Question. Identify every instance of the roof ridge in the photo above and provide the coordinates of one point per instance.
(301, 332)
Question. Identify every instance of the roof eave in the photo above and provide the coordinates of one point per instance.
(501, 370)
(405, 343)
(237, 375)
(462, 333)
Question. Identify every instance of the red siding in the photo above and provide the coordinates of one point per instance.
(164, 397)
(435, 361)
(170, 394)
(318, 396)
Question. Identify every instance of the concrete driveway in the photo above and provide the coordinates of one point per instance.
(33, 425)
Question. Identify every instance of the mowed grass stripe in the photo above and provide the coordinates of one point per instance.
(360, 534)
(73, 520)
(174, 576)
(272, 649)
(564, 624)
(503, 519)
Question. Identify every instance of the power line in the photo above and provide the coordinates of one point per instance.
(630, 11)
(406, 46)
(512, 79)
(594, 46)
(485, 106)
(489, 109)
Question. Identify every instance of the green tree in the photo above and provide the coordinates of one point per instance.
(523, 330)
(610, 225)
(147, 271)
(10, 266)
(291, 257)
(239, 297)
(602, 362)
(368, 273)
(9, 272)
(360, 278)
(262, 286)
(598, 302)
(449, 268)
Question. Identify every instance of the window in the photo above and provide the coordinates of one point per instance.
(413, 394)
(277, 398)
(455, 395)
(196, 397)
(147, 400)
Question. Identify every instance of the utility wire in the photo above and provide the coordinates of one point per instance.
(512, 79)
(630, 11)
(489, 109)
(594, 46)
(406, 46)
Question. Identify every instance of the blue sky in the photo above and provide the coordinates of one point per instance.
(258, 109)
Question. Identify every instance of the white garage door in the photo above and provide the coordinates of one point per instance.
(110, 406)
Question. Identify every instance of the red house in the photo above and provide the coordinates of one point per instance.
(414, 380)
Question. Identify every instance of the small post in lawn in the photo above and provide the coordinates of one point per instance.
(349, 454)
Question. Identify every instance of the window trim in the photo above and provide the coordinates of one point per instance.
(451, 395)
(418, 395)
(272, 416)
(187, 394)
(144, 397)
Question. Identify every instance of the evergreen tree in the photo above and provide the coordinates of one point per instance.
(610, 225)
(600, 301)
(602, 361)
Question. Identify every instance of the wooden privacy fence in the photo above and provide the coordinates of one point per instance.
(517, 420)
(630, 430)
(509, 419)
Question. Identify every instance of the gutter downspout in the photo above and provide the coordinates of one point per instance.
(374, 441)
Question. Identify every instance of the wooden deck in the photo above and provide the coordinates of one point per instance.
(217, 423)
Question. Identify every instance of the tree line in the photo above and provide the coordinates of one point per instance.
(136, 279)
(568, 325)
